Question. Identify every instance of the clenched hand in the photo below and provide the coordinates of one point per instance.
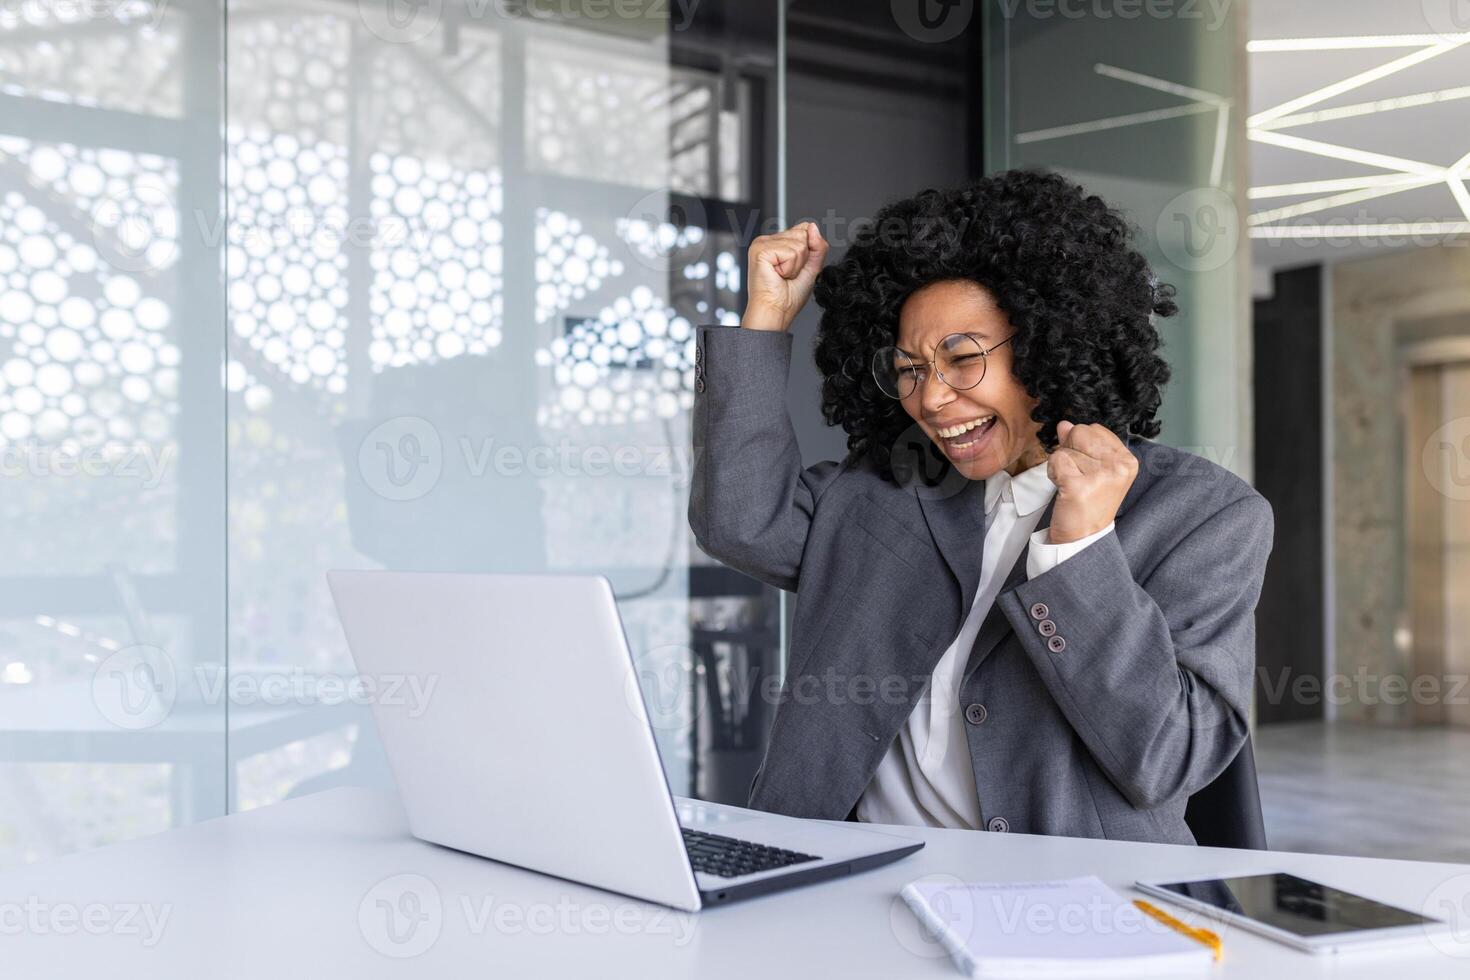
(1093, 470)
(783, 269)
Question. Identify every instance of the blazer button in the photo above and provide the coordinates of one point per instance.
(1056, 644)
(1039, 610)
(975, 713)
(998, 825)
(1046, 627)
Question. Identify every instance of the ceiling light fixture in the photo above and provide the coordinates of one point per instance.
(1369, 108)
(1395, 229)
(1348, 43)
(1335, 200)
(1267, 191)
(1356, 81)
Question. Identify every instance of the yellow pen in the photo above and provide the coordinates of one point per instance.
(1205, 936)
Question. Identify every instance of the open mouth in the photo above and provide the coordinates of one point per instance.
(967, 438)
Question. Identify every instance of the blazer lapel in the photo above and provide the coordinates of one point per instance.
(996, 625)
(957, 522)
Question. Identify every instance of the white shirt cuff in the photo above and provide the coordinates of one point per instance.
(1043, 556)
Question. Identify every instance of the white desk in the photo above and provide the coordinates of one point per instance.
(293, 890)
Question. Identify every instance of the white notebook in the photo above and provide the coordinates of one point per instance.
(1074, 928)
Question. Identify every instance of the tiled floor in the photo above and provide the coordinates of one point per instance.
(1358, 789)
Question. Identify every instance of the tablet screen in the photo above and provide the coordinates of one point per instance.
(1296, 905)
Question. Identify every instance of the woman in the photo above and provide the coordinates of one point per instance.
(1051, 630)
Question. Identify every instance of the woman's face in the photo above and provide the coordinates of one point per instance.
(1007, 439)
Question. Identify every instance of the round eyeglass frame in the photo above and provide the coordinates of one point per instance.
(984, 353)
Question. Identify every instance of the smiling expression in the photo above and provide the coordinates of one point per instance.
(984, 429)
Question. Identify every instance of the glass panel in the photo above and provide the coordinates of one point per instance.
(1146, 112)
(111, 409)
(466, 258)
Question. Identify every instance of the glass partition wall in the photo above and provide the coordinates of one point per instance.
(372, 284)
(1144, 105)
(286, 288)
(112, 422)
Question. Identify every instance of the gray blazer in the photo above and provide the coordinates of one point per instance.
(1098, 696)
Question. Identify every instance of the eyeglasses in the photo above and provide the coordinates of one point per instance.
(959, 362)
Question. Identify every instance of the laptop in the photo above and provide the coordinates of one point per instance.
(530, 743)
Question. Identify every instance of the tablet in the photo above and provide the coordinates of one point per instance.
(1305, 914)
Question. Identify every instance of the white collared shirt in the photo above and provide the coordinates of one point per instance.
(926, 778)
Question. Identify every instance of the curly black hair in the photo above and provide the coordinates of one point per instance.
(1058, 262)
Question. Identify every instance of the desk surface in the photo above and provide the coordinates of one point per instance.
(332, 885)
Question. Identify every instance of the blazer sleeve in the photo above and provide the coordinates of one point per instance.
(750, 500)
(1155, 678)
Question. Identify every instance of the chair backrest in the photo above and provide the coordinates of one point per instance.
(1227, 813)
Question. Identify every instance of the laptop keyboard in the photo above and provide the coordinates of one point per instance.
(731, 858)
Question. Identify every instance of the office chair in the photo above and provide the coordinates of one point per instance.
(1227, 813)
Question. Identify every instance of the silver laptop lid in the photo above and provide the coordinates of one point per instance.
(531, 743)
